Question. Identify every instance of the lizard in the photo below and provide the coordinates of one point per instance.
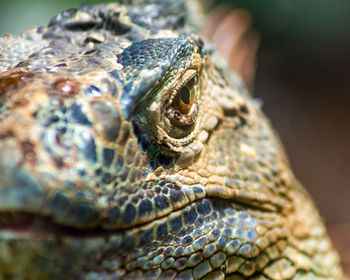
(130, 150)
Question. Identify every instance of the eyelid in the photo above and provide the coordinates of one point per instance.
(186, 78)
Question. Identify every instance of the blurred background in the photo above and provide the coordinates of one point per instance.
(299, 53)
(303, 77)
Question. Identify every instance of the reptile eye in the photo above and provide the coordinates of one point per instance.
(185, 97)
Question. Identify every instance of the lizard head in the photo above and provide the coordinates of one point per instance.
(100, 140)
(125, 140)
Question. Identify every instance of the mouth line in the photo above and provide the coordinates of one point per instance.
(24, 223)
(37, 224)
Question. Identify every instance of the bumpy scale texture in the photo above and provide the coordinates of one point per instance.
(105, 174)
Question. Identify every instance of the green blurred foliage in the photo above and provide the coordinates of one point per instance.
(315, 19)
(271, 15)
(18, 15)
(275, 19)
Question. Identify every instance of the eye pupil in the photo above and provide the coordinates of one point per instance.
(185, 95)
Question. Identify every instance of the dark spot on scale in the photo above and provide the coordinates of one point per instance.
(59, 203)
(221, 243)
(113, 216)
(204, 207)
(198, 190)
(190, 216)
(14, 80)
(214, 234)
(180, 263)
(165, 190)
(135, 199)
(98, 171)
(176, 195)
(107, 178)
(64, 87)
(107, 155)
(162, 183)
(128, 242)
(161, 202)
(176, 224)
(157, 190)
(179, 250)
(145, 207)
(78, 116)
(187, 240)
(63, 109)
(162, 230)
(129, 214)
(146, 237)
(168, 251)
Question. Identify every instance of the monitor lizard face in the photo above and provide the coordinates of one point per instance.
(128, 149)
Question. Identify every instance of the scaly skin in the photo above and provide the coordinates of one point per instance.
(105, 174)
